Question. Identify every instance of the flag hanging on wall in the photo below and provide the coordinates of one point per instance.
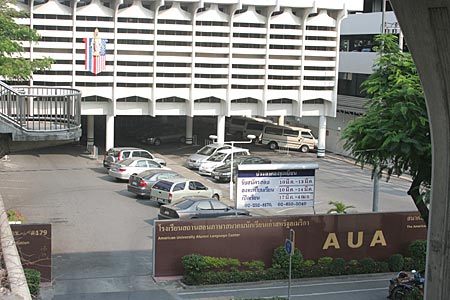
(95, 53)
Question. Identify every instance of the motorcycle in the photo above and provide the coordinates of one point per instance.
(403, 283)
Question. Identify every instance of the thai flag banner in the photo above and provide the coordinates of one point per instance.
(95, 53)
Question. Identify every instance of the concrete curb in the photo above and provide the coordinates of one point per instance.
(16, 275)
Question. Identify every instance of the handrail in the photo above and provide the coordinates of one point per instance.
(40, 108)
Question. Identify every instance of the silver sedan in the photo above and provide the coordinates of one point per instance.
(122, 170)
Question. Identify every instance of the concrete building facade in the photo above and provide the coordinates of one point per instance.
(194, 58)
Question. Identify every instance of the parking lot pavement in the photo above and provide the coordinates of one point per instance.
(337, 179)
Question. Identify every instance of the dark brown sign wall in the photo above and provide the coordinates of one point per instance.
(34, 243)
(353, 236)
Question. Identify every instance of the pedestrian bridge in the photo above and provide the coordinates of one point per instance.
(40, 113)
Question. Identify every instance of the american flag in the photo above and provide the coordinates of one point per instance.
(95, 61)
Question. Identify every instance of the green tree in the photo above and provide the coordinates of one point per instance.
(339, 207)
(13, 65)
(393, 135)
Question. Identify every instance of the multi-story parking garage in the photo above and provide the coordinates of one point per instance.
(192, 58)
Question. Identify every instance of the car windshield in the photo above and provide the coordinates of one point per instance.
(126, 162)
(184, 204)
(207, 150)
(217, 157)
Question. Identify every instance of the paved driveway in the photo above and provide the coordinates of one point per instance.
(102, 235)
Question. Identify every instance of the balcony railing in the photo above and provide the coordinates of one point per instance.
(40, 109)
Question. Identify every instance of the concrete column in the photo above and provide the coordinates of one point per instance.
(90, 131)
(189, 127)
(429, 44)
(109, 143)
(322, 136)
(220, 129)
(281, 120)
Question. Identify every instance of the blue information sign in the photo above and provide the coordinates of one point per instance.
(288, 247)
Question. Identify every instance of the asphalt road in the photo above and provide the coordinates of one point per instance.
(367, 287)
(102, 235)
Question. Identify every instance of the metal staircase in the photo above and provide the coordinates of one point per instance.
(40, 113)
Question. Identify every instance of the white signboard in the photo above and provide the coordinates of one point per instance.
(275, 185)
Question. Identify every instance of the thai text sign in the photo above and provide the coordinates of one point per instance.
(34, 243)
(351, 236)
(275, 185)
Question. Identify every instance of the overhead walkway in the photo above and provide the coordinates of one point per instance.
(40, 114)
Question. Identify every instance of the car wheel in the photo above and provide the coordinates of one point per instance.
(182, 140)
(304, 149)
(157, 142)
(215, 196)
(273, 146)
(398, 293)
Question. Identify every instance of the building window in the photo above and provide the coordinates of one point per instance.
(211, 23)
(132, 30)
(280, 101)
(244, 45)
(173, 65)
(285, 26)
(178, 22)
(133, 85)
(203, 33)
(200, 65)
(211, 76)
(52, 17)
(132, 99)
(174, 43)
(171, 100)
(211, 44)
(210, 86)
(135, 20)
(172, 85)
(94, 99)
(178, 75)
(245, 100)
(208, 100)
(314, 101)
(245, 76)
(281, 87)
(246, 87)
(135, 63)
(281, 77)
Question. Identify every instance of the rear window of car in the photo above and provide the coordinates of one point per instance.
(163, 185)
(126, 162)
(184, 204)
(207, 150)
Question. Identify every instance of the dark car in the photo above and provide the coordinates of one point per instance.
(141, 184)
(198, 207)
(222, 173)
(166, 134)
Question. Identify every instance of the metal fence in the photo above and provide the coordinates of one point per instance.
(40, 108)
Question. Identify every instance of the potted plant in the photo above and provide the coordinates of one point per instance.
(15, 217)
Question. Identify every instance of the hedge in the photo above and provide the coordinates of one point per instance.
(199, 270)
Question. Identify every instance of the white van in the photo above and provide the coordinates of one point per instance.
(243, 126)
(288, 137)
(220, 158)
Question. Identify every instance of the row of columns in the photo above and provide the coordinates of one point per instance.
(109, 140)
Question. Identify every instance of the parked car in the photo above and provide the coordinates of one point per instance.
(223, 173)
(170, 190)
(198, 207)
(194, 161)
(123, 169)
(220, 158)
(141, 184)
(168, 134)
(119, 153)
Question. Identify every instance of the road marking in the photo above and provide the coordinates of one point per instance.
(338, 292)
(283, 287)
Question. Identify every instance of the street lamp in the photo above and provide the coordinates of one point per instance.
(250, 137)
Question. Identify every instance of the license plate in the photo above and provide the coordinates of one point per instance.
(167, 212)
(133, 183)
(216, 177)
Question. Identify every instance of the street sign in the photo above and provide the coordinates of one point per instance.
(289, 247)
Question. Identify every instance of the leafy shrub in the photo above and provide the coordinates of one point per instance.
(418, 250)
(281, 259)
(221, 263)
(408, 264)
(255, 265)
(353, 267)
(33, 280)
(396, 262)
(381, 267)
(367, 265)
(338, 267)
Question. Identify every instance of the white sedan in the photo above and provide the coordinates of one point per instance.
(122, 170)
